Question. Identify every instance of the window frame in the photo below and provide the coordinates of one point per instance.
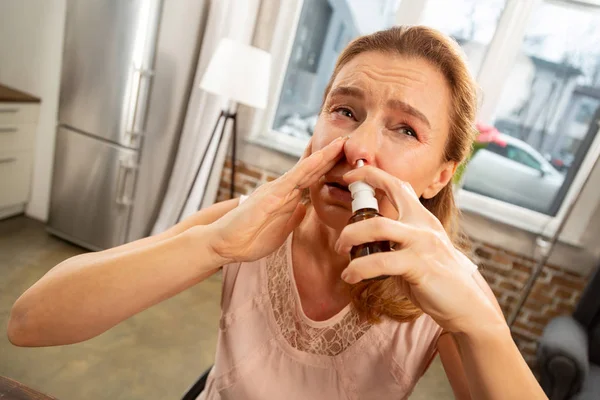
(493, 73)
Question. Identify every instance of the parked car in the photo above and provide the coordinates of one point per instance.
(513, 172)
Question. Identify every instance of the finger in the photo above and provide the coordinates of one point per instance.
(400, 193)
(316, 162)
(307, 150)
(318, 173)
(331, 155)
(401, 263)
(373, 230)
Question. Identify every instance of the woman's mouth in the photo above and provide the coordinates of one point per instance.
(339, 191)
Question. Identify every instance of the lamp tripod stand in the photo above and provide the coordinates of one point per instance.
(225, 116)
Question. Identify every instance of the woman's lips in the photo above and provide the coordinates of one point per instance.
(338, 193)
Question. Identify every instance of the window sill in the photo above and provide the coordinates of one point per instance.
(281, 143)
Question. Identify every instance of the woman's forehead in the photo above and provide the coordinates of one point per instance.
(380, 79)
(377, 71)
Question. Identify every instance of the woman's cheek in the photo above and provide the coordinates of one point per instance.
(324, 134)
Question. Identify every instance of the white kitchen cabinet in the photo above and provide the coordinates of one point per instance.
(18, 123)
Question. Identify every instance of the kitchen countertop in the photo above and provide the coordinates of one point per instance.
(10, 95)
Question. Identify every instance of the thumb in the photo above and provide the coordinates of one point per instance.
(295, 219)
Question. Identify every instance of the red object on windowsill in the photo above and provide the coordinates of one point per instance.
(489, 134)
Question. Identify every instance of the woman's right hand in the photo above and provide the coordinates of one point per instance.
(259, 225)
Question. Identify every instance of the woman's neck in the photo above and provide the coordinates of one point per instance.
(316, 242)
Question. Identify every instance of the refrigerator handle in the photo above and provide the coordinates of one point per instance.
(120, 182)
(125, 169)
(132, 132)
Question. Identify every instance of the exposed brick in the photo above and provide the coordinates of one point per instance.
(569, 282)
(502, 258)
(508, 285)
(543, 288)
(486, 266)
(236, 188)
(243, 169)
(575, 299)
(509, 298)
(539, 319)
(489, 277)
(574, 275)
(540, 298)
(553, 313)
(520, 266)
(563, 308)
(564, 293)
(523, 332)
(483, 253)
(519, 277)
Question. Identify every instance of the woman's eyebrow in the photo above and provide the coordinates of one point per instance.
(407, 108)
(350, 91)
(357, 93)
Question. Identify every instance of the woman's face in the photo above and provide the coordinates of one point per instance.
(395, 110)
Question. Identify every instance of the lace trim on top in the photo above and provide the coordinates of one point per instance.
(328, 340)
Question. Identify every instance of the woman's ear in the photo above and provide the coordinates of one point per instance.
(444, 175)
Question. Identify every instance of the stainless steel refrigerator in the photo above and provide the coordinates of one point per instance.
(127, 71)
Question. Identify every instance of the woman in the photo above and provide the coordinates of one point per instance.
(298, 320)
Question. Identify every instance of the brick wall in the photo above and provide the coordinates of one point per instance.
(247, 178)
(556, 291)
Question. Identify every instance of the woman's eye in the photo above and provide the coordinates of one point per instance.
(405, 130)
(345, 112)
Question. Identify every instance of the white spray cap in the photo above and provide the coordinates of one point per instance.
(363, 195)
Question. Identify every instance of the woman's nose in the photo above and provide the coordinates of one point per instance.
(362, 144)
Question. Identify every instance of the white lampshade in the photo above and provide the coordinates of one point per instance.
(240, 73)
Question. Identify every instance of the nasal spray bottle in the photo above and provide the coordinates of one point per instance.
(364, 206)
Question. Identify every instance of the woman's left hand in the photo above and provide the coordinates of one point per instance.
(431, 272)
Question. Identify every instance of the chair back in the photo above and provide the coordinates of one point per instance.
(587, 313)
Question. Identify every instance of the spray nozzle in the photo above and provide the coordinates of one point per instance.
(363, 195)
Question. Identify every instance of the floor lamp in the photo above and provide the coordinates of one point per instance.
(239, 74)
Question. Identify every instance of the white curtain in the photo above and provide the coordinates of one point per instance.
(227, 18)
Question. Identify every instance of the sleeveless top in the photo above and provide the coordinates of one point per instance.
(269, 349)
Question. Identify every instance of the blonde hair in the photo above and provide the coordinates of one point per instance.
(374, 299)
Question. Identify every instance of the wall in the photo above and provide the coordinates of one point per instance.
(31, 33)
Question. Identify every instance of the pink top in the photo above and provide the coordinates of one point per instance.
(269, 349)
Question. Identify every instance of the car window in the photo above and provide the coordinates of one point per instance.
(522, 157)
(496, 148)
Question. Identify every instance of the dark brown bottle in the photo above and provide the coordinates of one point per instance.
(372, 247)
(365, 206)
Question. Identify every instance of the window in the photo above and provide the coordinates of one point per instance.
(522, 157)
(471, 23)
(538, 67)
(495, 148)
(551, 94)
(325, 27)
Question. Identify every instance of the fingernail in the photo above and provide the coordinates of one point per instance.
(345, 275)
(349, 277)
(337, 139)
